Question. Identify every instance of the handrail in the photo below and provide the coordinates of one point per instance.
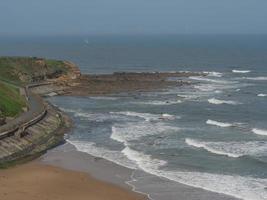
(36, 111)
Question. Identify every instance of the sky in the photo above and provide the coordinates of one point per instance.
(86, 17)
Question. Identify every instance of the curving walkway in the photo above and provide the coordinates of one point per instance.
(36, 111)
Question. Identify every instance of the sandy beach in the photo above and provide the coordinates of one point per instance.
(39, 181)
(67, 157)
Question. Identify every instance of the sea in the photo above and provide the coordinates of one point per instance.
(211, 134)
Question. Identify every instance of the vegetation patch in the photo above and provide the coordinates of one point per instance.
(11, 102)
(23, 70)
(20, 71)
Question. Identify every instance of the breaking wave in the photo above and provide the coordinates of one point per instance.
(147, 116)
(247, 188)
(219, 102)
(259, 131)
(214, 74)
(142, 160)
(231, 149)
(198, 78)
(260, 78)
(111, 155)
(220, 124)
(132, 131)
(240, 71)
(262, 95)
(160, 103)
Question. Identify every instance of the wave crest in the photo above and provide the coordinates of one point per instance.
(259, 78)
(214, 74)
(231, 149)
(247, 188)
(219, 102)
(220, 124)
(132, 131)
(143, 161)
(111, 155)
(259, 131)
(160, 103)
(241, 71)
(147, 116)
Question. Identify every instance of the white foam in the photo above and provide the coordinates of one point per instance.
(205, 146)
(205, 87)
(241, 71)
(218, 91)
(214, 74)
(220, 124)
(113, 156)
(146, 116)
(133, 130)
(259, 131)
(219, 102)
(188, 96)
(160, 103)
(99, 117)
(262, 95)
(231, 149)
(168, 116)
(199, 78)
(142, 160)
(260, 78)
(247, 188)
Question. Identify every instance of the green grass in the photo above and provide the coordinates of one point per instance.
(21, 71)
(11, 102)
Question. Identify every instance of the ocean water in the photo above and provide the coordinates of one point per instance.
(210, 135)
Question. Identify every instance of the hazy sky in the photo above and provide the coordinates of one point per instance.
(48, 17)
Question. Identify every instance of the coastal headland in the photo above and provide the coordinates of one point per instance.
(36, 126)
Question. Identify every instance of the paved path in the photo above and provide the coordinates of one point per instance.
(36, 110)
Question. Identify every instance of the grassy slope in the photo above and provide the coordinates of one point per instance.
(11, 103)
(11, 70)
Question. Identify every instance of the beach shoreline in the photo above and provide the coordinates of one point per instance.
(70, 163)
(75, 84)
(68, 157)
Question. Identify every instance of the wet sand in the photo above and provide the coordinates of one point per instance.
(67, 157)
(34, 181)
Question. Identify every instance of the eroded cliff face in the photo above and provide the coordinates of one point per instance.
(40, 71)
(25, 70)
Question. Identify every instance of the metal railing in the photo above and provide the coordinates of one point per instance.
(36, 111)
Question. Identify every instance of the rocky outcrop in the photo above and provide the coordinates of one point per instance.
(127, 82)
